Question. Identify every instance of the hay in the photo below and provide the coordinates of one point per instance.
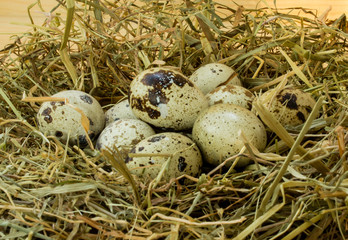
(297, 187)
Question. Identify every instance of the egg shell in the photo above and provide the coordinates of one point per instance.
(165, 98)
(231, 94)
(216, 132)
(123, 134)
(120, 110)
(186, 157)
(56, 118)
(211, 75)
(290, 106)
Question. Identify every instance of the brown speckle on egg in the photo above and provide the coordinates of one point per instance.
(157, 97)
(163, 79)
(300, 116)
(86, 99)
(58, 134)
(182, 164)
(140, 104)
(47, 116)
(55, 104)
(90, 121)
(129, 159)
(288, 100)
(82, 140)
(156, 138)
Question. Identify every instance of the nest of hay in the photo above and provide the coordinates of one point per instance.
(297, 188)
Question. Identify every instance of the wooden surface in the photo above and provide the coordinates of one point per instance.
(14, 16)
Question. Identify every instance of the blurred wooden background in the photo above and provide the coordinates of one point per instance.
(14, 15)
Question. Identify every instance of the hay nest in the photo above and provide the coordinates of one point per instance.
(297, 188)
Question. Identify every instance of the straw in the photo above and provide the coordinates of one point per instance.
(295, 189)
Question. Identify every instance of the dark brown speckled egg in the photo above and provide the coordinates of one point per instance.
(157, 149)
(165, 98)
(63, 120)
(290, 106)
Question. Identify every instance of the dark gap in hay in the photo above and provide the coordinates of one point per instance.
(59, 192)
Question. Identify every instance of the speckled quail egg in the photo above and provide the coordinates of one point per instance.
(290, 106)
(62, 120)
(165, 98)
(216, 132)
(211, 75)
(123, 134)
(232, 94)
(186, 157)
(120, 110)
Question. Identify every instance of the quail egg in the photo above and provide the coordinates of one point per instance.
(165, 98)
(62, 120)
(123, 134)
(290, 106)
(232, 94)
(211, 75)
(120, 110)
(216, 132)
(181, 151)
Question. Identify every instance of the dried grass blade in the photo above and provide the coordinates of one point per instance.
(63, 47)
(340, 140)
(144, 58)
(5, 223)
(118, 163)
(44, 99)
(275, 81)
(98, 15)
(65, 188)
(289, 157)
(205, 25)
(281, 132)
(85, 124)
(101, 228)
(69, 66)
(10, 104)
(238, 16)
(93, 70)
(179, 213)
(69, 19)
(297, 70)
(303, 227)
(255, 51)
(200, 224)
(258, 222)
(207, 48)
(29, 14)
(283, 186)
(297, 49)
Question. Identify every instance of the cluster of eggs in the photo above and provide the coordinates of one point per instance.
(149, 127)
